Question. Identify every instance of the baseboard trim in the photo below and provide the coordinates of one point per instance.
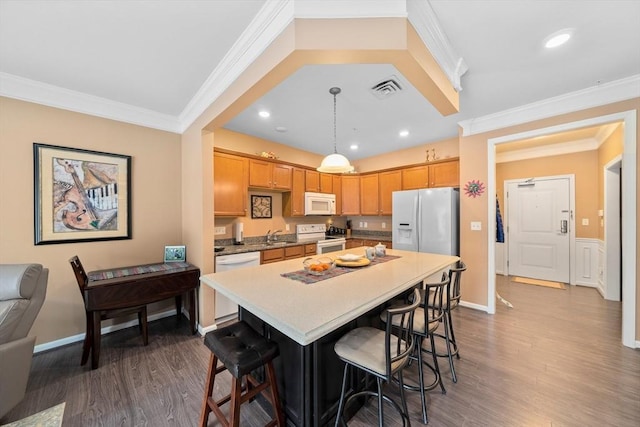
(474, 306)
(106, 330)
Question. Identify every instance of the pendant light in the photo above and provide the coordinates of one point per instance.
(335, 163)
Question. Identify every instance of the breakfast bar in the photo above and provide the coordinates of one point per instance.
(307, 318)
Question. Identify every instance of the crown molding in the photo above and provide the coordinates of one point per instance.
(605, 132)
(270, 21)
(616, 91)
(54, 96)
(423, 18)
(569, 147)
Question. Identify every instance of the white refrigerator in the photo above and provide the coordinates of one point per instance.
(426, 220)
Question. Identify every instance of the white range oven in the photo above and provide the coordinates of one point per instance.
(317, 233)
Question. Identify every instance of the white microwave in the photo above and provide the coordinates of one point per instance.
(319, 204)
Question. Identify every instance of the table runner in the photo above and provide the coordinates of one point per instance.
(131, 271)
(308, 278)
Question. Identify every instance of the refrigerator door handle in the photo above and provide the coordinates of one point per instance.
(417, 211)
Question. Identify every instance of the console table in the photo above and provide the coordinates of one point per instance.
(130, 286)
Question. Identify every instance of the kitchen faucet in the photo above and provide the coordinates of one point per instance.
(272, 236)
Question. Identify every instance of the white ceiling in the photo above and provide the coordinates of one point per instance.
(153, 58)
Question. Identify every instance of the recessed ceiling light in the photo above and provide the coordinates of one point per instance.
(354, 146)
(558, 38)
(404, 133)
(264, 114)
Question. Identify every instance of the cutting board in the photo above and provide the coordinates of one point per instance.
(358, 263)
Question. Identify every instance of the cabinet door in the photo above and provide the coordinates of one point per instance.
(292, 252)
(310, 249)
(260, 173)
(415, 177)
(350, 195)
(369, 194)
(282, 176)
(326, 183)
(230, 182)
(444, 174)
(312, 181)
(353, 243)
(271, 255)
(293, 201)
(388, 182)
(337, 190)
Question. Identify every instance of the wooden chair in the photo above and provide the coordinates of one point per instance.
(87, 347)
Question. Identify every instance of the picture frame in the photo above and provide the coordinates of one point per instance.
(175, 254)
(80, 195)
(261, 207)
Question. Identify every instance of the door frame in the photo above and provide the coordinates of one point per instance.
(612, 229)
(629, 219)
(572, 221)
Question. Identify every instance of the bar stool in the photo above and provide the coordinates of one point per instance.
(428, 317)
(452, 301)
(380, 353)
(241, 350)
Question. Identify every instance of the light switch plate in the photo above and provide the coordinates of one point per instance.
(384, 225)
(476, 225)
(219, 230)
(585, 221)
(287, 227)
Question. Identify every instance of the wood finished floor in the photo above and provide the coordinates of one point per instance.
(555, 359)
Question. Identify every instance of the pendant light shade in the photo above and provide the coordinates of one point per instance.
(335, 163)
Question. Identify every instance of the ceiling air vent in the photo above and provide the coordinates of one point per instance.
(386, 88)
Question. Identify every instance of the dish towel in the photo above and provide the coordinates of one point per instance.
(499, 227)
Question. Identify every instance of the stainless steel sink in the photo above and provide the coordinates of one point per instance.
(276, 244)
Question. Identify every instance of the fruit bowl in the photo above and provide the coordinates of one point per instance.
(318, 266)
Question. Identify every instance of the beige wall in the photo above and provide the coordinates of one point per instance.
(583, 165)
(473, 165)
(609, 149)
(156, 202)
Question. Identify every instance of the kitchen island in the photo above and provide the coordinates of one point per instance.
(307, 319)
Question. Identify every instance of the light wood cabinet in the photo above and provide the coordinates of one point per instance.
(415, 177)
(292, 252)
(264, 174)
(337, 190)
(441, 174)
(271, 255)
(318, 182)
(326, 183)
(388, 182)
(355, 243)
(268, 256)
(312, 181)
(230, 182)
(446, 174)
(310, 249)
(369, 194)
(293, 201)
(350, 195)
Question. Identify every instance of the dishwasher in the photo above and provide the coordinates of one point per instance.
(225, 308)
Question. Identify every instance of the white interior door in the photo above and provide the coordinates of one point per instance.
(538, 231)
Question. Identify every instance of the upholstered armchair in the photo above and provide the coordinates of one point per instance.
(22, 291)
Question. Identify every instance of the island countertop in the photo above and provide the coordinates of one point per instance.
(306, 312)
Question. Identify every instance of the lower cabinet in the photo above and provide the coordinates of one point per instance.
(355, 243)
(289, 252)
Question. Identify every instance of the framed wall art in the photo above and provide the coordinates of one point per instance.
(80, 195)
(175, 254)
(261, 207)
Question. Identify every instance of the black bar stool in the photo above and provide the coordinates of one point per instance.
(241, 350)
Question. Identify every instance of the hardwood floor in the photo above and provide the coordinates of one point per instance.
(554, 359)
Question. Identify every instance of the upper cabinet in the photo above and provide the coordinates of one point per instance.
(350, 195)
(230, 182)
(318, 182)
(265, 174)
(369, 194)
(445, 174)
(388, 183)
(337, 190)
(293, 201)
(441, 174)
